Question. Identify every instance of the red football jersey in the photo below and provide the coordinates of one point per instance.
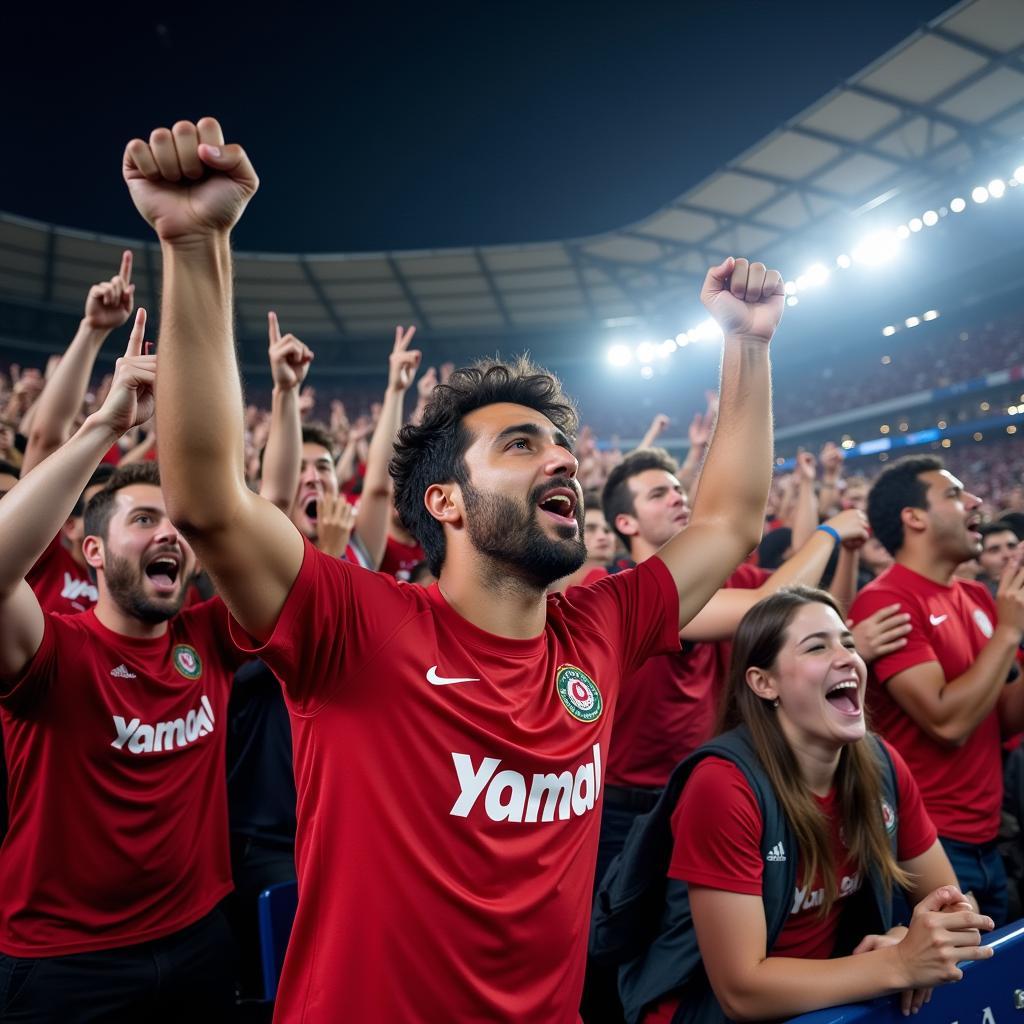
(669, 705)
(400, 559)
(962, 786)
(449, 791)
(60, 584)
(727, 856)
(118, 801)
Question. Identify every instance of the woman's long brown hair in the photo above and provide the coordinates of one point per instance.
(858, 780)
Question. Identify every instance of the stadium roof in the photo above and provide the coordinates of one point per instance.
(944, 98)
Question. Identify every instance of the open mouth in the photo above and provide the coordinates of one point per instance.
(560, 504)
(164, 571)
(310, 509)
(845, 697)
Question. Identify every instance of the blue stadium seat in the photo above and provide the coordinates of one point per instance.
(987, 994)
(276, 909)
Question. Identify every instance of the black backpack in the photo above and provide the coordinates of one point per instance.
(641, 918)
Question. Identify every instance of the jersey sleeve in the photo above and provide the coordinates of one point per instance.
(26, 690)
(917, 833)
(716, 830)
(44, 563)
(638, 607)
(336, 616)
(918, 649)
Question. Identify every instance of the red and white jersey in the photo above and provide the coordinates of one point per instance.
(449, 789)
(950, 625)
(400, 559)
(60, 584)
(115, 751)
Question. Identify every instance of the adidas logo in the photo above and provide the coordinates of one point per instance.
(776, 854)
(121, 672)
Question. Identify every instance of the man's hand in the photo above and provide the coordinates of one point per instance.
(335, 520)
(1010, 595)
(852, 526)
(881, 633)
(426, 384)
(403, 361)
(187, 183)
(806, 467)
(703, 424)
(131, 399)
(109, 304)
(745, 299)
(831, 459)
(289, 358)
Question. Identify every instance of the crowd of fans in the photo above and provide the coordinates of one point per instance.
(749, 846)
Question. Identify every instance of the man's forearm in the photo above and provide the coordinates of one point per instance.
(199, 395)
(737, 471)
(375, 502)
(35, 509)
(282, 457)
(804, 519)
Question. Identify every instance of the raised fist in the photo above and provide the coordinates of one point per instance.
(744, 298)
(187, 183)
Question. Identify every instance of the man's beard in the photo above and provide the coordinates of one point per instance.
(503, 529)
(124, 584)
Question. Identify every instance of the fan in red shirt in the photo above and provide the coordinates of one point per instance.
(113, 720)
(450, 741)
(599, 539)
(943, 699)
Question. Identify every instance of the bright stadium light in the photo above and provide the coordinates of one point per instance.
(980, 194)
(645, 352)
(930, 218)
(875, 249)
(681, 338)
(1018, 175)
(997, 188)
(667, 347)
(647, 372)
(932, 314)
(957, 205)
(915, 224)
(889, 331)
(903, 232)
(620, 355)
(912, 321)
(843, 262)
(792, 301)
(707, 330)
(817, 274)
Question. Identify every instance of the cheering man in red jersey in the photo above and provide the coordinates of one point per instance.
(117, 853)
(449, 741)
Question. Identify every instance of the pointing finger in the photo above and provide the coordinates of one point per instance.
(125, 272)
(138, 331)
(275, 328)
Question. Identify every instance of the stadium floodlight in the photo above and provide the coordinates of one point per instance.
(1018, 175)
(645, 352)
(792, 301)
(915, 224)
(903, 232)
(681, 339)
(707, 330)
(932, 314)
(979, 194)
(930, 218)
(647, 372)
(667, 347)
(957, 205)
(912, 321)
(997, 188)
(889, 331)
(817, 274)
(791, 287)
(620, 355)
(876, 248)
(843, 262)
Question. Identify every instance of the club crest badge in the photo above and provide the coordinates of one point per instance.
(187, 662)
(888, 817)
(579, 693)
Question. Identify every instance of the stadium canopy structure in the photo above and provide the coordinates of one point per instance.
(949, 99)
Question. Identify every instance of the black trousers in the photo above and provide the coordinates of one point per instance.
(187, 976)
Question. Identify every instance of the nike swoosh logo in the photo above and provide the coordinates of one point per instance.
(937, 620)
(435, 680)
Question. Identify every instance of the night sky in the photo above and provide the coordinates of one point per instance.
(423, 126)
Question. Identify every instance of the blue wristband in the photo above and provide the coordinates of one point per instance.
(832, 532)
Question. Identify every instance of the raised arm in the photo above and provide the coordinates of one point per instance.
(375, 501)
(728, 512)
(34, 510)
(107, 307)
(192, 188)
(282, 457)
(701, 427)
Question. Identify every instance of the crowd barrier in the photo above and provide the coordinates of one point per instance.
(990, 992)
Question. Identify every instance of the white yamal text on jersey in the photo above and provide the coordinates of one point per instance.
(512, 796)
(142, 738)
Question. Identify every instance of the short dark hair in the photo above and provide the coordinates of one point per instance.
(617, 499)
(312, 433)
(101, 504)
(898, 487)
(999, 526)
(433, 450)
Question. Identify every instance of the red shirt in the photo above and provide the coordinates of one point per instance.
(400, 559)
(449, 786)
(59, 582)
(962, 786)
(669, 705)
(727, 855)
(118, 802)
